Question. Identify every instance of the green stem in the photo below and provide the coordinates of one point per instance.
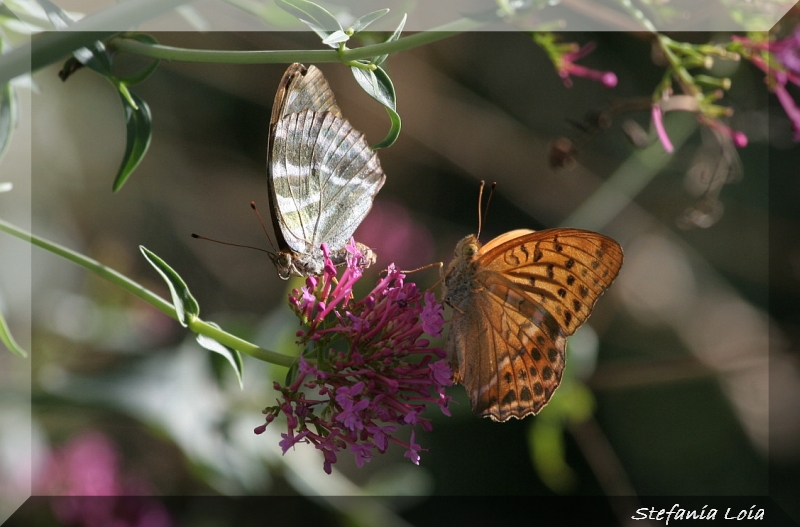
(197, 325)
(232, 341)
(283, 56)
(682, 74)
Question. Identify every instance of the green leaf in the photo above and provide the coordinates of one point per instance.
(8, 116)
(186, 307)
(138, 124)
(364, 21)
(379, 86)
(394, 131)
(381, 58)
(337, 37)
(314, 16)
(547, 448)
(95, 57)
(138, 78)
(233, 357)
(8, 340)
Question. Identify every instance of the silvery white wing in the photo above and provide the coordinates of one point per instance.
(325, 177)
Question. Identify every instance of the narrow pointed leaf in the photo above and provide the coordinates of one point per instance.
(233, 357)
(137, 78)
(138, 125)
(8, 340)
(8, 116)
(394, 130)
(95, 57)
(379, 86)
(316, 17)
(337, 37)
(364, 21)
(381, 58)
(186, 307)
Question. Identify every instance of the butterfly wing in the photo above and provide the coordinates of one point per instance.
(323, 176)
(528, 293)
(301, 89)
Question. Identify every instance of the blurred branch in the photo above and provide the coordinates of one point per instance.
(630, 178)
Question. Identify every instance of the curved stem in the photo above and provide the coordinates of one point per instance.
(283, 56)
(103, 271)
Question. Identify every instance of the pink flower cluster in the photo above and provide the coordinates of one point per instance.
(781, 69)
(366, 371)
(96, 493)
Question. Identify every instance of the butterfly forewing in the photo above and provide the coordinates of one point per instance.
(516, 301)
(301, 89)
(323, 176)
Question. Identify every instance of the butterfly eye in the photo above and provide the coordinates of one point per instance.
(469, 249)
(283, 260)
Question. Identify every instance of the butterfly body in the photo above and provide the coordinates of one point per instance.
(323, 175)
(515, 301)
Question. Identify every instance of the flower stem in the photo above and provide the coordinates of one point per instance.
(197, 325)
(158, 51)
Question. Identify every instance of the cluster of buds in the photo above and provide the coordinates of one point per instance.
(367, 370)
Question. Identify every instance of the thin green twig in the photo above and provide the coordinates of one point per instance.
(284, 56)
(105, 272)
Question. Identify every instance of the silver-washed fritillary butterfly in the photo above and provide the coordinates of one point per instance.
(515, 301)
(323, 175)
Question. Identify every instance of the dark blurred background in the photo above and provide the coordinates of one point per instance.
(684, 382)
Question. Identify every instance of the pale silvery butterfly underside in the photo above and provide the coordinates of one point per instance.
(323, 176)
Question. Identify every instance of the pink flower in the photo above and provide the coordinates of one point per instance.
(658, 122)
(787, 51)
(89, 466)
(366, 369)
(566, 67)
(738, 138)
(783, 70)
(786, 100)
(413, 450)
(396, 236)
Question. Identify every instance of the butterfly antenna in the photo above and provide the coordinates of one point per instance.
(261, 221)
(206, 238)
(485, 212)
(489, 199)
(480, 201)
(423, 268)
